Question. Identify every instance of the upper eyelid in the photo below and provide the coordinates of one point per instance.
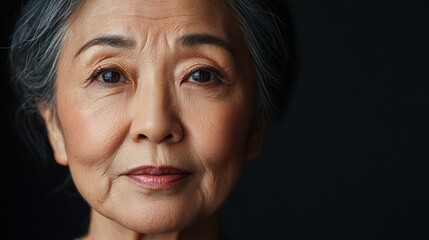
(219, 74)
(102, 68)
(115, 67)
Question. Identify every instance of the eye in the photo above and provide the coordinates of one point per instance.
(110, 76)
(205, 75)
(107, 76)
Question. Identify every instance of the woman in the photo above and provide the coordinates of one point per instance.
(154, 106)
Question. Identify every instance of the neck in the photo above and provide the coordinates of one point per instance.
(101, 227)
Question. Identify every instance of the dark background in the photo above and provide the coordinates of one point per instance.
(349, 160)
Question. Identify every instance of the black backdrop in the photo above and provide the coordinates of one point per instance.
(348, 161)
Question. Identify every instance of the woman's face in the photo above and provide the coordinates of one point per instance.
(155, 109)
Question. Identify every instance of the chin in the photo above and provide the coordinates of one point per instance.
(160, 220)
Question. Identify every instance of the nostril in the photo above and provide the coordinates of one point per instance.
(142, 136)
(149, 130)
(169, 137)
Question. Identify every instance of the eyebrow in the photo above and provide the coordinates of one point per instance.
(200, 39)
(116, 41)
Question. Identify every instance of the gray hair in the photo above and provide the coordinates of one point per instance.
(41, 30)
(33, 58)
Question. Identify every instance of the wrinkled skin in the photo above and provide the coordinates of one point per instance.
(150, 98)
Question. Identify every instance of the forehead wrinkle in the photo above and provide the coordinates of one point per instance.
(155, 30)
(108, 40)
(159, 39)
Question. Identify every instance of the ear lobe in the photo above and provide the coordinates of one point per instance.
(256, 142)
(55, 136)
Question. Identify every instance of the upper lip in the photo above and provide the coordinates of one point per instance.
(155, 170)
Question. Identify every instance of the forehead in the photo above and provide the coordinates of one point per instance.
(144, 17)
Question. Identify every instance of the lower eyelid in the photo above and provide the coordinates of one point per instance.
(212, 70)
(96, 74)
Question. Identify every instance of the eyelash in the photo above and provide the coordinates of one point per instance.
(218, 75)
(96, 74)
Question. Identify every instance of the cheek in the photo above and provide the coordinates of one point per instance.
(220, 127)
(223, 135)
(219, 133)
(93, 128)
(91, 131)
(219, 136)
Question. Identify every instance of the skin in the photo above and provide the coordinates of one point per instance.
(155, 112)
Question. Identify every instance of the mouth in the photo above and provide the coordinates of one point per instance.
(157, 178)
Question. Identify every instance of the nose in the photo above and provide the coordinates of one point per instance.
(154, 116)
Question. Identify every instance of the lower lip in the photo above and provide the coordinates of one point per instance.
(158, 182)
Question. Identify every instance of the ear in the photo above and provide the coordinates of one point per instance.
(55, 135)
(256, 142)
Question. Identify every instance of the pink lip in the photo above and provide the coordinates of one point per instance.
(157, 178)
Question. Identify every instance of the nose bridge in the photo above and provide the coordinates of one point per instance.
(154, 118)
(155, 95)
